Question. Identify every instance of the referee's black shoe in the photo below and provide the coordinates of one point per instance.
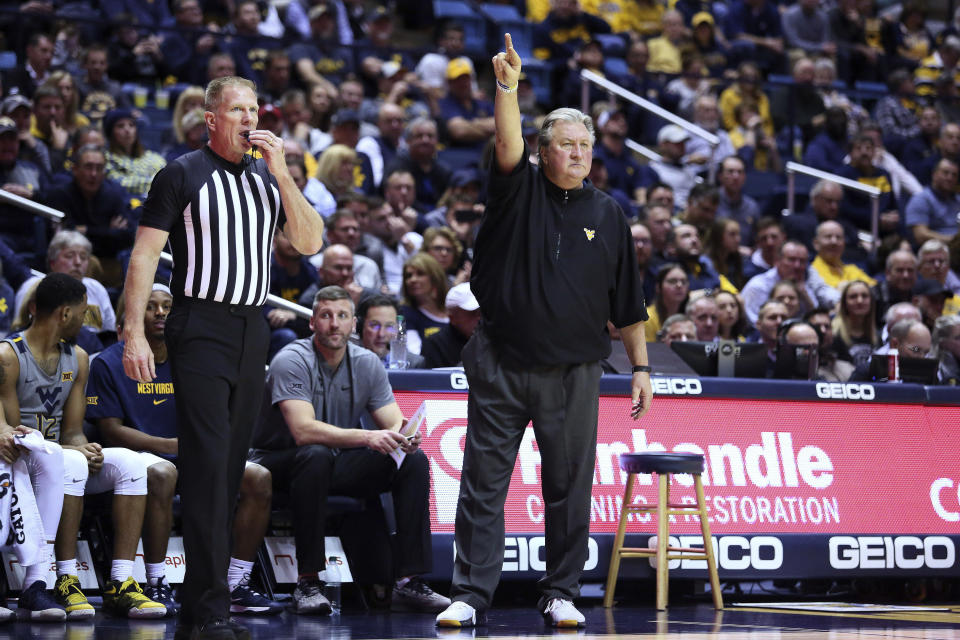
(217, 629)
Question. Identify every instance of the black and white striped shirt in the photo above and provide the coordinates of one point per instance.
(221, 218)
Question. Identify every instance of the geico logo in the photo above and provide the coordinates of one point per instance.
(677, 386)
(458, 381)
(888, 552)
(734, 553)
(936, 488)
(527, 554)
(841, 391)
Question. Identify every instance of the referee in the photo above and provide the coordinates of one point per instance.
(219, 207)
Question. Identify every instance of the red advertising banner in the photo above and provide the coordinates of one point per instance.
(772, 466)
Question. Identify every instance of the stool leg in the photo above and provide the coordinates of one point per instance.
(663, 540)
(708, 544)
(614, 568)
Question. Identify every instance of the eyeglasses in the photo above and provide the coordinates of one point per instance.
(676, 282)
(375, 326)
(913, 348)
(440, 249)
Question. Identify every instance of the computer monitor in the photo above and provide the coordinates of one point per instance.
(725, 358)
(796, 362)
(916, 370)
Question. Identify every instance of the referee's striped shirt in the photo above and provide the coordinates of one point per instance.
(221, 218)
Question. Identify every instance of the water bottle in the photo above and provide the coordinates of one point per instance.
(398, 347)
(332, 588)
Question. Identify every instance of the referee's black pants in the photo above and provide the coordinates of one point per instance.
(217, 354)
(310, 473)
(563, 404)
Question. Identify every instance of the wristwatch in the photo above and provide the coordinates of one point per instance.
(642, 368)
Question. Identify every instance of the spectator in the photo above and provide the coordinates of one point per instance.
(469, 121)
(723, 244)
(828, 148)
(798, 351)
(932, 214)
(190, 99)
(25, 78)
(854, 325)
(345, 130)
(684, 247)
(193, 128)
(664, 50)
(127, 416)
(382, 149)
(799, 104)
(792, 264)
(825, 198)
(643, 83)
(856, 206)
(321, 59)
(909, 338)
(432, 68)
(948, 146)
(423, 304)
(336, 269)
(291, 274)
(934, 263)
(673, 288)
(134, 55)
(400, 192)
(643, 247)
(681, 93)
(859, 57)
(896, 112)
(677, 328)
(66, 86)
(753, 29)
(47, 125)
(711, 45)
(671, 168)
(770, 316)
(442, 349)
(754, 146)
(316, 449)
(903, 183)
(734, 203)
(832, 92)
(830, 367)
(896, 313)
(806, 27)
(244, 41)
(462, 194)
(600, 178)
(564, 29)
(787, 292)
(907, 41)
(220, 65)
(770, 237)
(187, 49)
(379, 47)
(930, 297)
(95, 206)
(343, 228)
(623, 172)
(128, 162)
(701, 208)
(19, 109)
(705, 315)
(431, 175)
(296, 115)
(661, 194)
(731, 318)
(377, 327)
(946, 348)
(443, 246)
(706, 115)
(399, 242)
(943, 62)
(829, 244)
(900, 276)
(918, 150)
(276, 77)
(336, 169)
(746, 88)
(19, 178)
(659, 220)
(69, 253)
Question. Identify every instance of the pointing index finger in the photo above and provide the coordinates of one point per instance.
(508, 42)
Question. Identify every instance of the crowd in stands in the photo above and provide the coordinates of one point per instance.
(387, 124)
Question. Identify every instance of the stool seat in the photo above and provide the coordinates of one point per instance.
(659, 462)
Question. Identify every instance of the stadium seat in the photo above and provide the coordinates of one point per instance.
(539, 73)
(505, 18)
(474, 27)
(612, 44)
(459, 158)
(615, 67)
(8, 60)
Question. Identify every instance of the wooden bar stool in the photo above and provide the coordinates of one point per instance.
(664, 465)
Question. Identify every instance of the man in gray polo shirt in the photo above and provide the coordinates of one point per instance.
(309, 436)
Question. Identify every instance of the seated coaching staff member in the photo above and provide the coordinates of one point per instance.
(554, 260)
(219, 207)
(311, 440)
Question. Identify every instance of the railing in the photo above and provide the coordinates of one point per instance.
(587, 77)
(52, 214)
(793, 168)
(646, 152)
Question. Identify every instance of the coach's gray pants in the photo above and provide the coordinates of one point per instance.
(562, 402)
